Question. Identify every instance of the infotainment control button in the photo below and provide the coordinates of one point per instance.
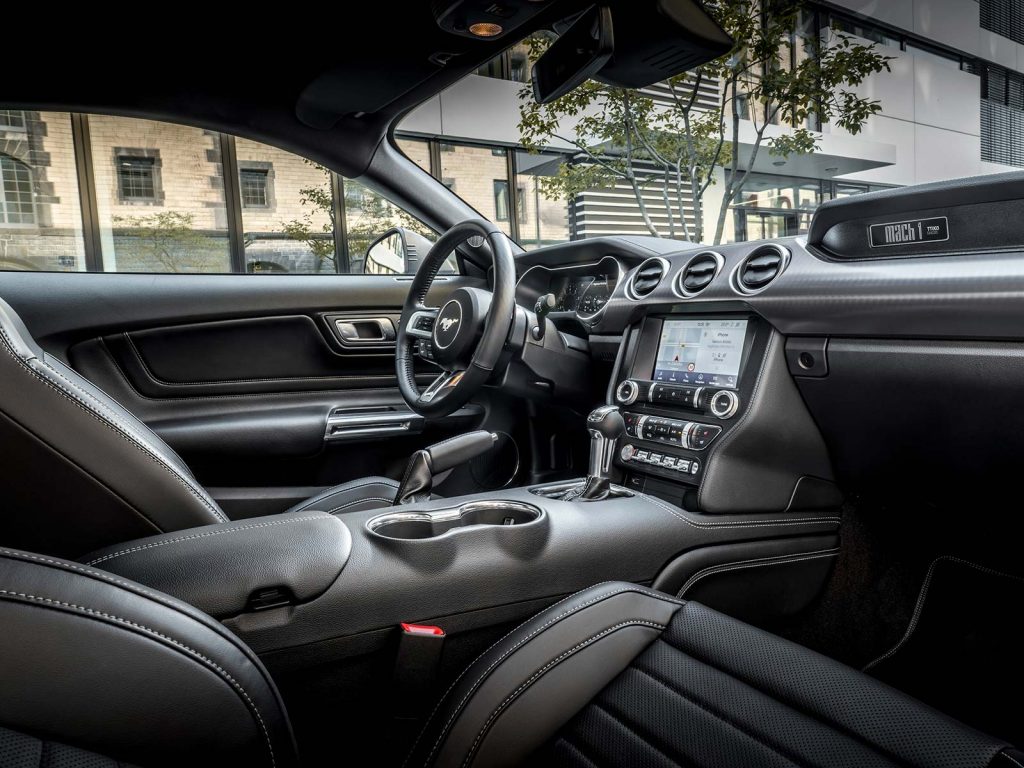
(627, 392)
(627, 452)
(724, 404)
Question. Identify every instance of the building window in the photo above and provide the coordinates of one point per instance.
(136, 178)
(1004, 17)
(1002, 116)
(16, 198)
(254, 184)
(501, 206)
(12, 119)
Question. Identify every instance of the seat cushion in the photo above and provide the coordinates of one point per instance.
(619, 675)
(353, 496)
(713, 691)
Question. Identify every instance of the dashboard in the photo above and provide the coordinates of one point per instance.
(733, 363)
(586, 294)
(581, 291)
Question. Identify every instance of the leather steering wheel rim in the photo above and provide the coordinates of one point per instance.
(453, 388)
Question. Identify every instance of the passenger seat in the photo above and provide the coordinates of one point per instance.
(96, 670)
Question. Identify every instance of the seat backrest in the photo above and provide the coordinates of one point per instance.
(78, 471)
(92, 662)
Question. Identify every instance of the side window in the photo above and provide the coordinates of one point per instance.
(116, 194)
(40, 213)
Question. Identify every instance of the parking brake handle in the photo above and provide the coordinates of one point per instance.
(426, 464)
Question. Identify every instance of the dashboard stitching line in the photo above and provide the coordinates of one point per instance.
(745, 524)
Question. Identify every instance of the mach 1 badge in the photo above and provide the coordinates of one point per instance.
(932, 230)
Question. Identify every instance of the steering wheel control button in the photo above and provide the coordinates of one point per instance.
(724, 404)
(627, 392)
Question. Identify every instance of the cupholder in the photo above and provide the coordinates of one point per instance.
(430, 524)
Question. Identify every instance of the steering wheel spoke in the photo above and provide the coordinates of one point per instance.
(466, 336)
(438, 387)
(421, 323)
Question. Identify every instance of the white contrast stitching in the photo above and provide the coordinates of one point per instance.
(540, 672)
(357, 501)
(919, 605)
(98, 416)
(519, 644)
(196, 654)
(159, 597)
(745, 524)
(1012, 759)
(345, 487)
(220, 532)
(758, 562)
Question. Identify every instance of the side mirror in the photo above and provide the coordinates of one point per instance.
(396, 252)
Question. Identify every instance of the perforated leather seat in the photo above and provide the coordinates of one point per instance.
(96, 670)
(81, 472)
(618, 675)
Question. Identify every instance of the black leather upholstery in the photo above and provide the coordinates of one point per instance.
(218, 568)
(365, 493)
(74, 446)
(19, 750)
(618, 675)
(104, 665)
(426, 464)
(70, 447)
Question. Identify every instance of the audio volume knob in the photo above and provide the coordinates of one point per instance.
(627, 452)
(627, 392)
(724, 404)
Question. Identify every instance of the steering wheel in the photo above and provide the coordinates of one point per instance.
(466, 335)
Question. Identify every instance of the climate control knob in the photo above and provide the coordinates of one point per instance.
(627, 392)
(724, 404)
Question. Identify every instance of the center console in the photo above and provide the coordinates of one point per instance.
(687, 381)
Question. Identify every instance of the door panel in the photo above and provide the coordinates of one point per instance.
(230, 357)
(240, 373)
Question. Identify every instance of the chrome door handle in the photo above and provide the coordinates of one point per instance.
(365, 330)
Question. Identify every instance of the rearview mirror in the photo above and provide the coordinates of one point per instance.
(577, 55)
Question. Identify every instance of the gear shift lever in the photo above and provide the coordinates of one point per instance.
(605, 425)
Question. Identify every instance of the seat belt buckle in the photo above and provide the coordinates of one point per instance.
(416, 665)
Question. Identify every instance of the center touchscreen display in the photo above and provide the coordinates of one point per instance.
(701, 352)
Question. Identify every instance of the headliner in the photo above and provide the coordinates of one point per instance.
(248, 76)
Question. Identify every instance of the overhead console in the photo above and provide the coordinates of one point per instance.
(963, 217)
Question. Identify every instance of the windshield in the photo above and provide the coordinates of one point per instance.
(813, 103)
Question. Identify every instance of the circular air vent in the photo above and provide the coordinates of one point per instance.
(647, 277)
(698, 273)
(763, 265)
